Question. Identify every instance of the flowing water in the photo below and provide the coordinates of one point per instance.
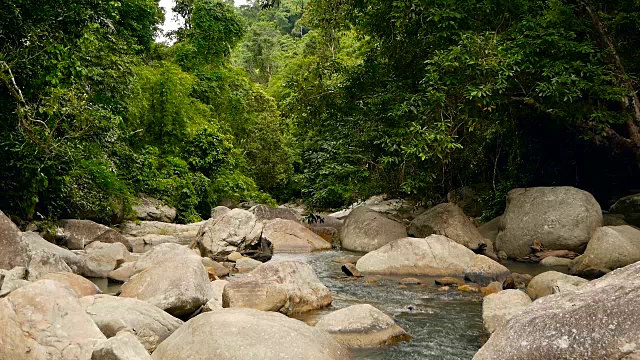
(444, 324)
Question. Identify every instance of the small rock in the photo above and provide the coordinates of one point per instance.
(446, 281)
(362, 326)
(444, 288)
(347, 259)
(555, 261)
(220, 270)
(350, 270)
(494, 287)
(234, 256)
(469, 287)
(543, 284)
(245, 265)
(211, 272)
(123, 273)
(410, 281)
(124, 346)
(502, 255)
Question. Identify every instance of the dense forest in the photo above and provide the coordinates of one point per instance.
(329, 101)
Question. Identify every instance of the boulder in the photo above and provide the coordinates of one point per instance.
(179, 286)
(114, 314)
(491, 229)
(151, 209)
(559, 218)
(629, 207)
(42, 263)
(239, 334)
(97, 265)
(469, 198)
(362, 326)
(609, 219)
(236, 230)
(45, 321)
(246, 265)
(264, 212)
(447, 220)
(435, 255)
(350, 270)
(124, 346)
(218, 268)
(483, 271)
(13, 248)
(219, 211)
(37, 243)
(288, 236)
(611, 247)
(368, 230)
(499, 308)
(288, 286)
(555, 261)
(162, 254)
(159, 232)
(328, 228)
(600, 320)
(81, 286)
(80, 233)
(542, 284)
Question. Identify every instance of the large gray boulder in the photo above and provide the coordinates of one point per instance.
(80, 233)
(491, 229)
(144, 233)
(287, 286)
(599, 320)
(100, 259)
(35, 242)
(362, 326)
(123, 346)
(447, 219)
(45, 321)
(42, 263)
(559, 218)
(111, 314)
(264, 212)
(13, 248)
(368, 230)
(162, 254)
(179, 286)
(288, 236)
(435, 255)
(151, 209)
(499, 308)
(611, 247)
(235, 230)
(543, 284)
(629, 207)
(240, 334)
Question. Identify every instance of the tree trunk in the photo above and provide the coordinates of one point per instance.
(632, 124)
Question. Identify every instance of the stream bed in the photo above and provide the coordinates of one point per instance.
(444, 325)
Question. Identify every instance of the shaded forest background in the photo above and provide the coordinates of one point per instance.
(330, 101)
